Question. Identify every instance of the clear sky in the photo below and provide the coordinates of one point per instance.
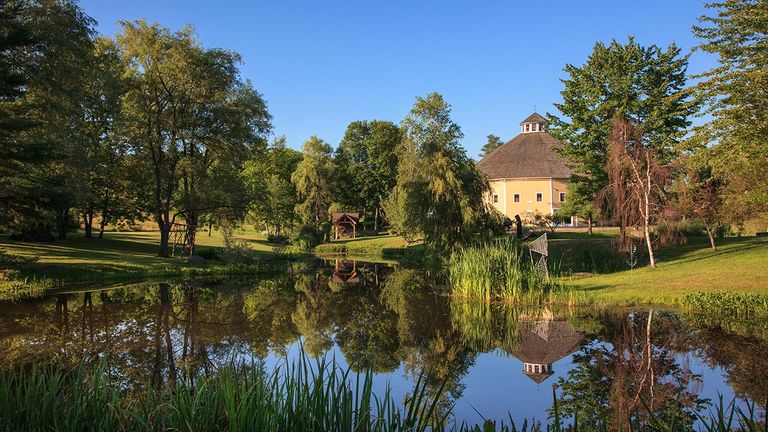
(323, 64)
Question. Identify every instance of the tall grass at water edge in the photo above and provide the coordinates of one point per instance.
(499, 269)
(297, 397)
(300, 396)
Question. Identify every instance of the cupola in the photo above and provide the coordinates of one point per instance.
(533, 123)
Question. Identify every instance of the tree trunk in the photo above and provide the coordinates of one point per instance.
(189, 245)
(711, 234)
(376, 221)
(589, 225)
(88, 223)
(104, 213)
(165, 231)
(62, 222)
(647, 232)
(210, 228)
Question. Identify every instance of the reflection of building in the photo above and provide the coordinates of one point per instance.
(542, 343)
(345, 271)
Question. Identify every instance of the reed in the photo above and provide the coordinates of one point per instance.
(497, 269)
(300, 396)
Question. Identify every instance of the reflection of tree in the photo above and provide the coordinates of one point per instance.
(268, 307)
(628, 377)
(367, 332)
(428, 341)
(743, 357)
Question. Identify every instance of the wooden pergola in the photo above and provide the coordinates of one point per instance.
(345, 224)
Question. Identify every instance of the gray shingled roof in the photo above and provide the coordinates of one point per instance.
(534, 118)
(524, 156)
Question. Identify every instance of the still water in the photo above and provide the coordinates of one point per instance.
(499, 362)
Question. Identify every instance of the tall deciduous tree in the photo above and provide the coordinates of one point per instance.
(443, 190)
(736, 97)
(312, 179)
(273, 196)
(366, 164)
(645, 85)
(191, 119)
(492, 143)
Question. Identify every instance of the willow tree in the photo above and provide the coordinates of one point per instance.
(441, 189)
(192, 120)
(313, 181)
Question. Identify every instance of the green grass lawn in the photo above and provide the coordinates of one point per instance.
(739, 265)
(118, 254)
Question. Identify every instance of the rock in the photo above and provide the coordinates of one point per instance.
(195, 260)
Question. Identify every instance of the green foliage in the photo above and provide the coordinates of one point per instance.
(729, 304)
(442, 190)
(493, 142)
(307, 237)
(643, 84)
(733, 137)
(313, 181)
(394, 207)
(366, 164)
(268, 182)
(295, 396)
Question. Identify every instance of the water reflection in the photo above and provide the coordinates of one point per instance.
(611, 368)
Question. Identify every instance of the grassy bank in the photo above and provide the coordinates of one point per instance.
(740, 265)
(118, 256)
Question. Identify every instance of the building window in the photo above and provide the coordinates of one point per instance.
(562, 196)
(495, 198)
(527, 128)
(539, 197)
(516, 198)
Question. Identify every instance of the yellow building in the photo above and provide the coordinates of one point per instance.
(526, 175)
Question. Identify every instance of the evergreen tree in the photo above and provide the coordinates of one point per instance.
(493, 142)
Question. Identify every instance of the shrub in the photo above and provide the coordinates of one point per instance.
(209, 254)
(307, 238)
(277, 238)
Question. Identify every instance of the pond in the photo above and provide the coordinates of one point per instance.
(498, 362)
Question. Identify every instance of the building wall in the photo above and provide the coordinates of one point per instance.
(504, 190)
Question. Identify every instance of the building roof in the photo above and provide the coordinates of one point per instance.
(527, 155)
(348, 216)
(534, 118)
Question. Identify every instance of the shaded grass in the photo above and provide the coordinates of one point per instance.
(118, 256)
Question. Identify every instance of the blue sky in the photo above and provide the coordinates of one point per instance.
(323, 64)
